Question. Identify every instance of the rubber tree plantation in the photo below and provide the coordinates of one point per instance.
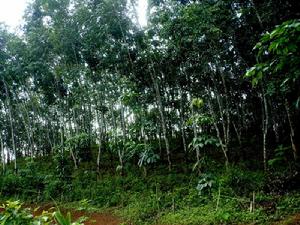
(191, 119)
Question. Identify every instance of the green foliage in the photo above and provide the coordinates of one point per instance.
(84, 204)
(81, 146)
(230, 212)
(83, 69)
(278, 59)
(203, 141)
(242, 182)
(14, 213)
(200, 119)
(133, 148)
(280, 157)
(11, 184)
(170, 198)
(54, 188)
(197, 103)
(289, 203)
(205, 183)
(147, 157)
(63, 166)
(144, 152)
(65, 220)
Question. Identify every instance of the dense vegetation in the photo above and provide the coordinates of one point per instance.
(14, 213)
(193, 119)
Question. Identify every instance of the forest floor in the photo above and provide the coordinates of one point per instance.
(107, 218)
(290, 220)
(92, 218)
(96, 218)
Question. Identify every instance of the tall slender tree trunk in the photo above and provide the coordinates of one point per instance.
(195, 137)
(27, 130)
(100, 124)
(74, 159)
(119, 150)
(265, 117)
(225, 120)
(12, 130)
(8, 105)
(159, 139)
(162, 117)
(123, 123)
(182, 124)
(215, 124)
(238, 132)
(2, 154)
(292, 130)
(265, 126)
(30, 122)
(89, 118)
(48, 134)
(257, 14)
(62, 130)
(227, 114)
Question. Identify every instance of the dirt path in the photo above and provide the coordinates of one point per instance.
(94, 218)
(106, 218)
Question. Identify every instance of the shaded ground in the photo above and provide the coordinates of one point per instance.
(291, 220)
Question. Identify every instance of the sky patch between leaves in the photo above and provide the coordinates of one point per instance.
(12, 11)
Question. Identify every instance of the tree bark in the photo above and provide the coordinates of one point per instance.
(162, 117)
(8, 105)
(257, 14)
(292, 130)
(265, 125)
(182, 123)
(225, 119)
(223, 146)
(195, 137)
(2, 154)
(100, 124)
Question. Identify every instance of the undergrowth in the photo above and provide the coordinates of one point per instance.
(216, 196)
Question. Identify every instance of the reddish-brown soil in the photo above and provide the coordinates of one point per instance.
(94, 218)
(100, 218)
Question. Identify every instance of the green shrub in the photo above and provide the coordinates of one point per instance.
(242, 182)
(55, 188)
(289, 203)
(11, 185)
(81, 146)
(13, 213)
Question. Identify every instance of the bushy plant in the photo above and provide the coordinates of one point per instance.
(14, 213)
(66, 220)
(63, 168)
(54, 188)
(205, 184)
(280, 159)
(80, 145)
(241, 181)
(11, 184)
